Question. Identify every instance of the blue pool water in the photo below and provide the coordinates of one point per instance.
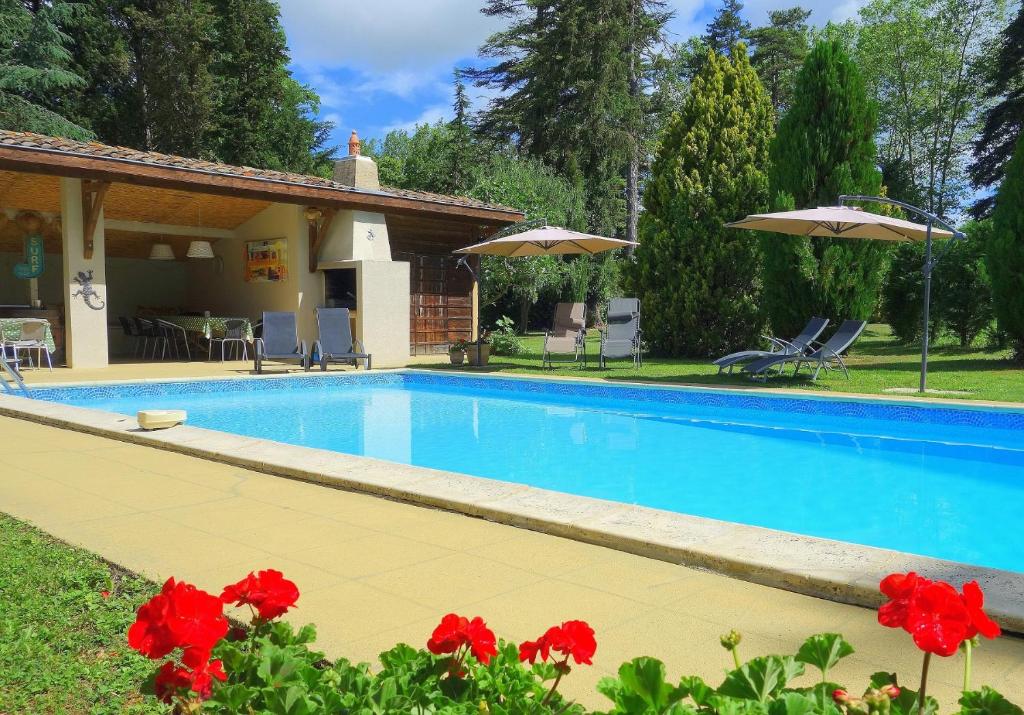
(937, 481)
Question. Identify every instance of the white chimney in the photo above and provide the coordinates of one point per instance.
(356, 170)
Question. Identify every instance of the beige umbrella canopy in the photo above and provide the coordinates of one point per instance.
(840, 222)
(854, 222)
(546, 241)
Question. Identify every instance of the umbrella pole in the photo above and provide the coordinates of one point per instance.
(464, 262)
(928, 265)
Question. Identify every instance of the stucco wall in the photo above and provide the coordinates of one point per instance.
(227, 293)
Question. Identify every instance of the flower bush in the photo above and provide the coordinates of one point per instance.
(269, 667)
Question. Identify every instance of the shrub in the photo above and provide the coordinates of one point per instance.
(697, 278)
(1006, 252)
(961, 289)
(903, 293)
(504, 340)
(466, 670)
(824, 147)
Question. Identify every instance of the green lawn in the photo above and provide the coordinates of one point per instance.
(876, 363)
(62, 644)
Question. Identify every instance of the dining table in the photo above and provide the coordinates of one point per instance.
(208, 326)
(10, 331)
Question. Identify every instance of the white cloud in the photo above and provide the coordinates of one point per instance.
(385, 35)
(430, 115)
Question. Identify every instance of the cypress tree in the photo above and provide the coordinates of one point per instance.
(696, 278)
(1006, 253)
(824, 147)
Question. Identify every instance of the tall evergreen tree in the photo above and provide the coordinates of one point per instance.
(994, 145)
(779, 51)
(564, 69)
(262, 116)
(1006, 252)
(35, 69)
(824, 147)
(173, 42)
(696, 278)
(726, 28)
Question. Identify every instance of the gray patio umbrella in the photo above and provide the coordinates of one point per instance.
(543, 240)
(853, 222)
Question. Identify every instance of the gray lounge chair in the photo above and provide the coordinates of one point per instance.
(621, 336)
(567, 335)
(803, 343)
(828, 356)
(280, 341)
(336, 343)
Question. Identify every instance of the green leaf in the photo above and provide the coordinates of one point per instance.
(761, 678)
(645, 678)
(696, 689)
(823, 651)
(987, 702)
(800, 704)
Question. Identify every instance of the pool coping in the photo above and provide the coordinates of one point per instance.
(824, 568)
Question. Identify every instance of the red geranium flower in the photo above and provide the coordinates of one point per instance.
(974, 600)
(572, 638)
(170, 680)
(901, 589)
(269, 592)
(204, 670)
(938, 619)
(456, 631)
(179, 616)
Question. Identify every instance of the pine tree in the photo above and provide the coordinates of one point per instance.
(262, 117)
(34, 60)
(173, 45)
(696, 278)
(1006, 252)
(571, 76)
(824, 147)
(994, 145)
(779, 51)
(727, 28)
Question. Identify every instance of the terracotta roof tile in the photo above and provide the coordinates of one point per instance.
(91, 148)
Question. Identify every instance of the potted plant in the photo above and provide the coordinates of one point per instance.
(479, 352)
(457, 351)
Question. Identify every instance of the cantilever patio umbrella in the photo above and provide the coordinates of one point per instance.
(541, 241)
(853, 222)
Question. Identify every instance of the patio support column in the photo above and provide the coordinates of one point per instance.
(85, 311)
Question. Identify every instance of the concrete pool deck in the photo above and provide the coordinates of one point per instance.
(374, 572)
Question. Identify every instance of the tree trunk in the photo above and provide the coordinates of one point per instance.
(633, 173)
(524, 314)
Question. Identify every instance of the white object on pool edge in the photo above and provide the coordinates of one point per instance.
(160, 419)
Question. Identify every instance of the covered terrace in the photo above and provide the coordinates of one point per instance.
(259, 240)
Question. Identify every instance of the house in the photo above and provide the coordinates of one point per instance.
(161, 233)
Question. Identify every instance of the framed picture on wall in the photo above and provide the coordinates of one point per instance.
(266, 261)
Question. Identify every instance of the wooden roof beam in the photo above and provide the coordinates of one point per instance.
(319, 220)
(93, 193)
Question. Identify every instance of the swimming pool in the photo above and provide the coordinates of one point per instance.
(938, 481)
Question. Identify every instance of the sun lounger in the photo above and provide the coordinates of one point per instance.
(802, 344)
(621, 336)
(567, 334)
(827, 356)
(280, 341)
(336, 343)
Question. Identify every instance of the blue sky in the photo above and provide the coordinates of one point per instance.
(387, 64)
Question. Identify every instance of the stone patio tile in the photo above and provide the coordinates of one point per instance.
(366, 555)
(350, 611)
(541, 553)
(452, 582)
(300, 533)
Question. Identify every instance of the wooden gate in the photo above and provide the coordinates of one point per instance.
(441, 302)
